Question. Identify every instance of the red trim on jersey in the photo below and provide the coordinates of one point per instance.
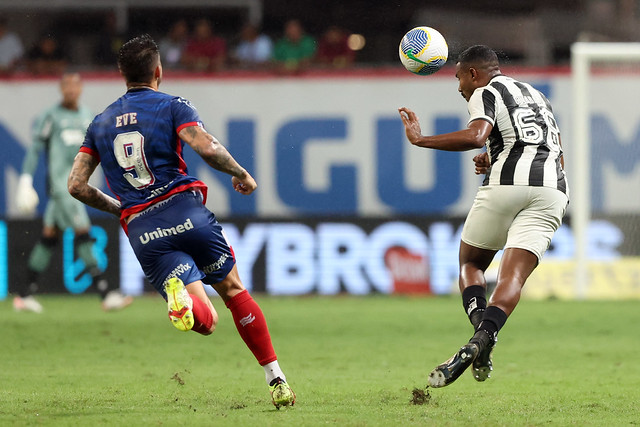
(90, 151)
(196, 185)
(109, 186)
(182, 165)
(186, 125)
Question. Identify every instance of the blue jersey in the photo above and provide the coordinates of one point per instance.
(136, 140)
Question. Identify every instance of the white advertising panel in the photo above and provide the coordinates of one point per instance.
(336, 145)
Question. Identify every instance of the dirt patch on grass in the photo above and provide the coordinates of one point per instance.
(420, 396)
(178, 378)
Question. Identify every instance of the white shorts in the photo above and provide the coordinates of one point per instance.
(514, 216)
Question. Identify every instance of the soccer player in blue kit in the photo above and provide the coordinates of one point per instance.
(139, 141)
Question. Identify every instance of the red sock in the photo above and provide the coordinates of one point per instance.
(252, 326)
(203, 319)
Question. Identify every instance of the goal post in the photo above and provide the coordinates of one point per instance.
(583, 54)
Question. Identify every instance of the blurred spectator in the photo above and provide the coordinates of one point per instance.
(204, 51)
(109, 42)
(47, 57)
(334, 50)
(610, 21)
(294, 51)
(173, 44)
(11, 49)
(253, 49)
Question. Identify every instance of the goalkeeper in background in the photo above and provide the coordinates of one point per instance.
(60, 131)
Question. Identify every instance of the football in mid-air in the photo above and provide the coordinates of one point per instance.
(423, 51)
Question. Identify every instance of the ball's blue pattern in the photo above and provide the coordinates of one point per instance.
(433, 66)
(415, 40)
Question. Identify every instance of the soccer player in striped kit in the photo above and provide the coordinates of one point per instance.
(139, 139)
(518, 208)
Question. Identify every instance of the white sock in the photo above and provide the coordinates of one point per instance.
(272, 371)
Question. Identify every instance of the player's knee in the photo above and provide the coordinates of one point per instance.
(230, 286)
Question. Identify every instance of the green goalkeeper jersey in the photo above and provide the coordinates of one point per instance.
(60, 132)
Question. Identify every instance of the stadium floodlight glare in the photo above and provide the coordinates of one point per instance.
(583, 54)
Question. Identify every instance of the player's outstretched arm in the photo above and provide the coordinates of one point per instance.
(473, 137)
(217, 156)
(78, 185)
(26, 196)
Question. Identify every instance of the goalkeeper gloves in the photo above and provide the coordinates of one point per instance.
(26, 197)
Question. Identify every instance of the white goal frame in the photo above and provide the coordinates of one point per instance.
(582, 55)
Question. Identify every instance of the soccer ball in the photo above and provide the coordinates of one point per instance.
(423, 51)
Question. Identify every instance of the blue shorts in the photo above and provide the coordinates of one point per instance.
(180, 238)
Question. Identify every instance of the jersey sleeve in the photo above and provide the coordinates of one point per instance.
(546, 102)
(89, 145)
(483, 105)
(41, 133)
(184, 114)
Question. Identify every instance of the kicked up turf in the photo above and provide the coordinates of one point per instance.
(355, 361)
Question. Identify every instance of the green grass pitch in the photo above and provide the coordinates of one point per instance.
(353, 361)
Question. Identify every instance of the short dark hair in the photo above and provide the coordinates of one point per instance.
(138, 58)
(479, 54)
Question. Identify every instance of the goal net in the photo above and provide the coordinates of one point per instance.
(596, 253)
(604, 169)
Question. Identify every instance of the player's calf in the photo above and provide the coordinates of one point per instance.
(205, 318)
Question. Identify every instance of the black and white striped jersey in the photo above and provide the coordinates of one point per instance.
(524, 145)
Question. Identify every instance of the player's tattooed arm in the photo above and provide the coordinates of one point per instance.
(217, 156)
(78, 185)
(210, 149)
